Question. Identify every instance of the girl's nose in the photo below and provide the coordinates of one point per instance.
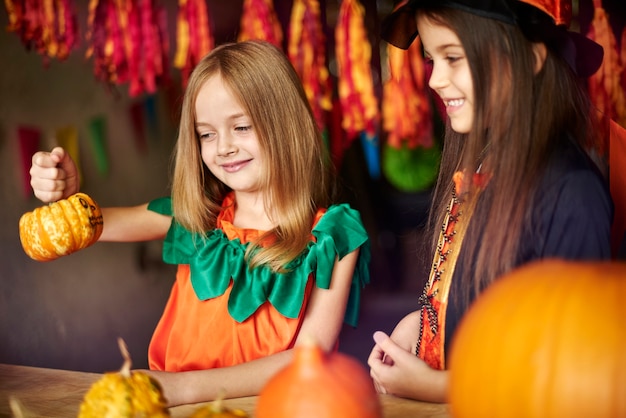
(226, 145)
(437, 78)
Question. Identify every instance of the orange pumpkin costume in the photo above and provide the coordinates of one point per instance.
(220, 313)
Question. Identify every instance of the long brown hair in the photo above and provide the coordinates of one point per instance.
(521, 117)
(298, 177)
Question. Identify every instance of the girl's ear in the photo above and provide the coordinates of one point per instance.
(540, 51)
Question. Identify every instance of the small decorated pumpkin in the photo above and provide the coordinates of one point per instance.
(319, 385)
(546, 340)
(216, 409)
(61, 228)
(124, 394)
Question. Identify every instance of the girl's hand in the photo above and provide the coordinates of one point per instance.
(396, 370)
(53, 175)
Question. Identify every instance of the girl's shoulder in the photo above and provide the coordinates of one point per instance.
(573, 209)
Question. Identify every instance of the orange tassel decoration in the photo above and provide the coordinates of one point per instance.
(128, 42)
(605, 86)
(407, 114)
(307, 52)
(47, 26)
(259, 21)
(356, 88)
(194, 38)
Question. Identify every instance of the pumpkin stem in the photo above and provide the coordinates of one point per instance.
(16, 407)
(125, 370)
(309, 355)
(217, 406)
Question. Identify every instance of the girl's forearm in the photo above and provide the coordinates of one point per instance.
(133, 224)
(245, 379)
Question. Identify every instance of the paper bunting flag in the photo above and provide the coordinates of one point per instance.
(605, 86)
(97, 134)
(67, 137)
(259, 21)
(128, 42)
(371, 152)
(139, 127)
(28, 138)
(356, 88)
(194, 37)
(407, 114)
(49, 27)
(306, 49)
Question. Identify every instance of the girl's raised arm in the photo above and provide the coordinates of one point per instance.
(53, 176)
(131, 224)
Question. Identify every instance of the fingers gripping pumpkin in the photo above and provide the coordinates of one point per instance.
(61, 228)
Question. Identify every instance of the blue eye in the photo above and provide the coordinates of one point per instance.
(206, 136)
(244, 128)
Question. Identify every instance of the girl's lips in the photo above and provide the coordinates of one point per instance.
(454, 104)
(235, 166)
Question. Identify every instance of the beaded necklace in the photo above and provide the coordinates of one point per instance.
(433, 300)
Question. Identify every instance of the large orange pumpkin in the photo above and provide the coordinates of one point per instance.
(61, 228)
(547, 340)
(319, 385)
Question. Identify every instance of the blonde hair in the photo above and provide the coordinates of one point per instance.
(298, 176)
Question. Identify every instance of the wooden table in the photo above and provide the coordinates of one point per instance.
(58, 393)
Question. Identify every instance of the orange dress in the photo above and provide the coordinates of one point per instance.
(221, 314)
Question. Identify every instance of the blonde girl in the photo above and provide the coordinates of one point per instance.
(263, 255)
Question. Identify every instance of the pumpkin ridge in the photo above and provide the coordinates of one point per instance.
(42, 233)
(74, 227)
(85, 229)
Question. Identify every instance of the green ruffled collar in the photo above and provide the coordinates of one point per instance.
(214, 260)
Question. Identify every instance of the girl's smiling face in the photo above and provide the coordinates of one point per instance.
(228, 142)
(451, 78)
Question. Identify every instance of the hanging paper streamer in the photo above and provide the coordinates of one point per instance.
(605, 86)
(407, 114)
(67, 137)
(28, 138)
(128, 42)
(410, 161)
(337, 136)
(259, 21)
(355, 84)
(194, 38)
(97, 134)
(49, 27)
(371, 151)
(623, 61)
(307, 52)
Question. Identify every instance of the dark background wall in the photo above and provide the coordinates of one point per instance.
(69, 312)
